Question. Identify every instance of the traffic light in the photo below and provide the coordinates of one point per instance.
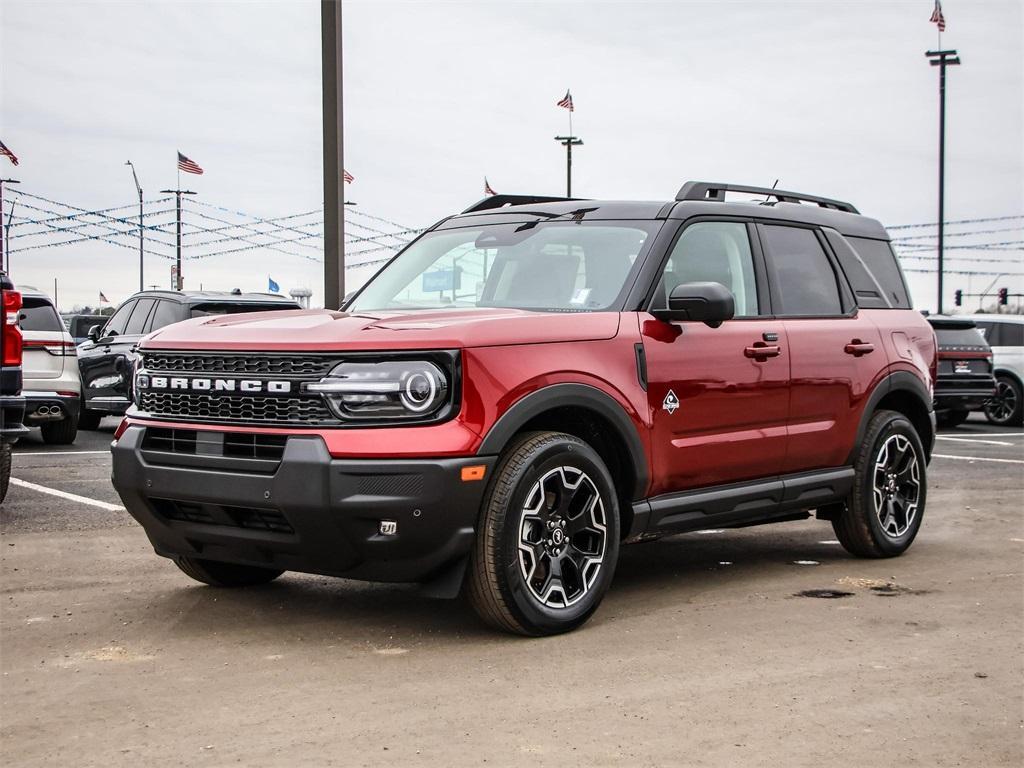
(1003, 296)
(958, 298)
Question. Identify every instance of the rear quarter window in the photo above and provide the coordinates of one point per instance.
(881, 260)
(39, 315)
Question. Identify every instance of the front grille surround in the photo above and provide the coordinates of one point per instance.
(295, 409)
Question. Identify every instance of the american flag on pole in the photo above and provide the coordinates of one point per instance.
(348, 177)
(103, 299)
(937, 17)
(566, 102)
(487, 188)
(188, 166)
(7, 153)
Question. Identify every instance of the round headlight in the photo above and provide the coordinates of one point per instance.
(391, 390)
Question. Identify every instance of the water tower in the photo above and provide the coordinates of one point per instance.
(301, 295)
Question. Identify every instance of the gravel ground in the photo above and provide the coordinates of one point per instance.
(703, 654)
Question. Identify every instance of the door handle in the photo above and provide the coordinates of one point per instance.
(858, 348)
(761, 351)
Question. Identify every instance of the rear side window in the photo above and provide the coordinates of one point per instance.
(1003, 334)
(39, 315)
(200, 310)
(805, 279)
(139, 317)
(880, 259)
(166, 312)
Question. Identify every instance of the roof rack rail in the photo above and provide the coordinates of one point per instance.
(707, 190)
(500, 201)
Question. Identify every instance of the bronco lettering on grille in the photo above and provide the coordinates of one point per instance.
(189, 384)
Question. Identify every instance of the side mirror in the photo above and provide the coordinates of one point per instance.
(710, 303)
(94, 333)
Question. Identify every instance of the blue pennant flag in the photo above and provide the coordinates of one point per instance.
(271, 285)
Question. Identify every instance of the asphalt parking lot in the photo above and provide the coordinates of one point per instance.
(703, 654)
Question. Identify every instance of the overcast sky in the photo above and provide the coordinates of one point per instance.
(833, 98)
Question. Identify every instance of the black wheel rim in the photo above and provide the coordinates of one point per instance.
(896, 485)
(562, 537)
(1003, 404)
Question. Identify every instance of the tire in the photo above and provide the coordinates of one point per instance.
(548, 537)
(890, 476)
(89, 420)
(218, 574)
(1006, 409)
(5, 469)
(61, 432)
(949, 419)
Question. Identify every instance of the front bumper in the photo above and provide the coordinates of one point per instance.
(299, 511)
(43, 406)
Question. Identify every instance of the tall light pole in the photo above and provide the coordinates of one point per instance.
(568, 142)
(2, 182)
(177, 194)
(141, 251)
(942, 59)
(334, 153)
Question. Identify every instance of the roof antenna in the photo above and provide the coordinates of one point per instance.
(767, 197)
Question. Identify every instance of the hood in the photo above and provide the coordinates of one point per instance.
(324, 330)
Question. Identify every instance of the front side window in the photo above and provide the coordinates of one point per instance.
(563, 266)
(115, 325)
(712, 252)
(806, 281)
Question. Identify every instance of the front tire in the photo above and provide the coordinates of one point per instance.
(1006, 408)
(884, 512)
(548, 537)
(218, 574)
(5, 469)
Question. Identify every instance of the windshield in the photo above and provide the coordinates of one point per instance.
(564, 266)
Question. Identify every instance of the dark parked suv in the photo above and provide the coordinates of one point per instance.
(531, 384)
(105, 359)
(964, 381)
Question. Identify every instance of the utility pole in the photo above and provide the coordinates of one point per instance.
(177, 194)
(141, 251)
(2, 238)
(7, 233)
(942, 59)
(334, 153)
(568, 142)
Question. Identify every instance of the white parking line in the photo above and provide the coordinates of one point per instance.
(973, 440)
(66, 453)
(974, 458)
(66, 495)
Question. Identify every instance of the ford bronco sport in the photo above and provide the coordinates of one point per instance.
(534, 382)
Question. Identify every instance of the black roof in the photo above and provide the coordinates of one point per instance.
(694, 199)
(212, 297)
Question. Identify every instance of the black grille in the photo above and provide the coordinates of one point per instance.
(252, 518)
(170, 440)
(250, 364)
(259, 410)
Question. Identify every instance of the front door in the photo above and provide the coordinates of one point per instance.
(719, 396)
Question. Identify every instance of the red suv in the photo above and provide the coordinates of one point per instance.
(534, 382)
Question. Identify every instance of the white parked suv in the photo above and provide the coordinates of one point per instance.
(51, 384)
(1005, 334)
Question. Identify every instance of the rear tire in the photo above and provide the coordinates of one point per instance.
(952, 418)
(5, 469)
(883, 513)
(218, 574)
(89, 420)
(1006, 409)
(548, 537)
(61, 432)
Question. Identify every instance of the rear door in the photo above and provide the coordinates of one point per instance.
(836, 352)
(719, 397)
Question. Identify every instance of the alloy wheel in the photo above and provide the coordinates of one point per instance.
(562, 537)
(1001, 407)
(897, 485)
